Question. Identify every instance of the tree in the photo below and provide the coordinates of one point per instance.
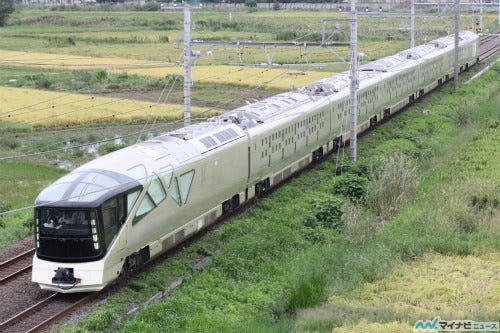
(6, 8)
(251, 3)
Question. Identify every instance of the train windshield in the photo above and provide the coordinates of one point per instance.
(67, 234)
(69, 223)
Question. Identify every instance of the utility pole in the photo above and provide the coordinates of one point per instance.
(480, 16)
(457, 65)
(412, 24)
(354, 82)
(187, 65)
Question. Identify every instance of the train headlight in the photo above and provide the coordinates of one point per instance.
(94, 234)
(37, 234)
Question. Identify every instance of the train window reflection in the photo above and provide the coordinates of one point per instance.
(175, 192)
(59, 222)
(131, 198)
(185, 181)
(101, 179)
(145, 207)
(156, 191)
(166, 175)
(138, 172)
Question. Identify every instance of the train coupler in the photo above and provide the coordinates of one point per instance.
(65, 276)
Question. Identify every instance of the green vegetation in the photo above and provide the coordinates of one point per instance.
(275, 262)
(6, 8)
(158, 35)
(19, 184)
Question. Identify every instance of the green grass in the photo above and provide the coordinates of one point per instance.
(19, 183)
(273, 264)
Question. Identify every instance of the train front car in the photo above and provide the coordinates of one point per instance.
(76, 219)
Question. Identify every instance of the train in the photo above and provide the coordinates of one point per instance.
(117, 212)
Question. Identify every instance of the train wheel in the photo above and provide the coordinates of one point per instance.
(317, 154)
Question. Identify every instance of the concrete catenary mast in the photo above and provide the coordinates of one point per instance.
(456, 69)
(187, 65)
(354, 82)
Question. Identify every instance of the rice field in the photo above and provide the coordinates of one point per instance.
(278, 77)
(58, 109)
(452, 287)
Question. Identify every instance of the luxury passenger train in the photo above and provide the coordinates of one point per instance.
(122, 209)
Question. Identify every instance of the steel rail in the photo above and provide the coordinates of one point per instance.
(50, 320)
(26, 312)
(13, 261)
(16, 258)
(19, 271)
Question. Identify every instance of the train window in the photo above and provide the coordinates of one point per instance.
(138, 171)
(185, 181)
(101, 179)
(156, 191)
(109, 220)
(166, 174)
(131, 198)
(145, 207)
(175, 192)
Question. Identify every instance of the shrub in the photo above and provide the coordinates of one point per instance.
(309, 292)
(463, 114)
(251, 3)
(109, 147)
(351, 186)
(9, 143)
(392, 182)
(285, 35)
(6, 8)
(174, 80)
(328, 211)
(3, 208)
(101, 75)
(359, 227)
(42, 82)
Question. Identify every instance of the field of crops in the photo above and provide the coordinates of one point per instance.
(47, 108)
(274, 77)
(150, 44)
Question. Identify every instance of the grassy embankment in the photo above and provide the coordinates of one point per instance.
(327, 252)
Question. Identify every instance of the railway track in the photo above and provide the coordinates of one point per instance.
(489, 45)
(16, 266)
(33, 315)
(44, 313)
